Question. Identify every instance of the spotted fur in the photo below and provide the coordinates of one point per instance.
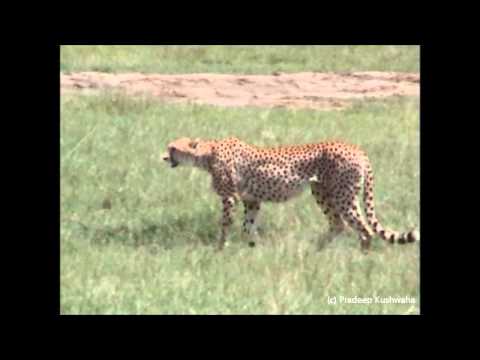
(335, 172)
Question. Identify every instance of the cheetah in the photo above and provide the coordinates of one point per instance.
(335, 172)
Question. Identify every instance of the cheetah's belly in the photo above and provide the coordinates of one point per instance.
(271, 184)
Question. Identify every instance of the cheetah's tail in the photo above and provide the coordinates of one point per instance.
(386, 234)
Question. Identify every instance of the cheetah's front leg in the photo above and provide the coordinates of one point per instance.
(251, 212)
(228, 204)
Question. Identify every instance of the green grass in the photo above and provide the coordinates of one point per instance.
(152, 252)
(238, 59)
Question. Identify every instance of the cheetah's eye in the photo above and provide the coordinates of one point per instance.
(193, 144)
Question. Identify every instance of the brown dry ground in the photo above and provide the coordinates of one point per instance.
(321, 91)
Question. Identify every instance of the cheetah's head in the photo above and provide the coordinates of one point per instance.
(187, 151)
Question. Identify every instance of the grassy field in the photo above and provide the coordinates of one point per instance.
(238, 59)
(137, 236)
(150, 252)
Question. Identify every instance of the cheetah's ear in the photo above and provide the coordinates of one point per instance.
(193, 144)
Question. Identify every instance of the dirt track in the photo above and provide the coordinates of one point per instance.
(321, 91)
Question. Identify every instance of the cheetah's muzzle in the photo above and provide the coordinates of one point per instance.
(169, 159)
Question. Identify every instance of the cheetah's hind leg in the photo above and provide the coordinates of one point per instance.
(335, 221)
(351, 213)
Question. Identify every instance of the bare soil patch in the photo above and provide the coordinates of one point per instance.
(321, 91)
